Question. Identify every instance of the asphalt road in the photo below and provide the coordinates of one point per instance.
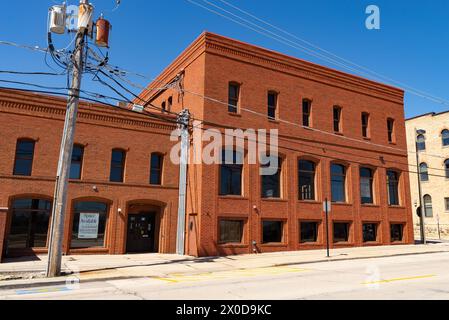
(408, 277)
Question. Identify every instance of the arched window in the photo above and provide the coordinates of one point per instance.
(366, 185)
(445, 137)
(424, 172)
(338, 183)
(157, 161)
(306, 179)
(393, 187)
(428, 206)
(29, 224)
(23, 164)
(446, 168)
(271, 184)
(421, 142)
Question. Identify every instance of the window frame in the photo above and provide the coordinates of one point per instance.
(428, 204)
(376, 232)
(307, 172)
(446, 168)
(160, 170)
(317, 232)
(282, 233)
(337, 121)
(242, 230)
(366, 125)
(307, 116)
(391, 130)
(371, 185)
(424, 172)
(402, 225)
(234, 168)
(421, 143)
(81, 162)
(123, 165)
(280, 174)
(272, 108)
(445, 138)
(345, 180)
(446, 204)
(17, 157)
(348, 231)
(234, 108)
(397, 187)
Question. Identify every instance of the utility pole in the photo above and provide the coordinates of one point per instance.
(423, 210)
(65, 157)
(183, 120)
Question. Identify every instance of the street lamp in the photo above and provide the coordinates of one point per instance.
(419, 132)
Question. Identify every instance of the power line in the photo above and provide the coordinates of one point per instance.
(316, 54)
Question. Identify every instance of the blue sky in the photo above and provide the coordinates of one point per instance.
(412, 46)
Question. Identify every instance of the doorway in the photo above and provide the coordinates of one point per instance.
(141, 233)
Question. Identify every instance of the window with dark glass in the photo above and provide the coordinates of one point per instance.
(445, 137)
(29, 224)
(234, 95)
(164, 106)
(169, 103)
(231, 173)
(117, 165)
(365, 125)
(231, 231)
(428, 208)
(369, 232)
(446, 168)
(390, 129)
(338, 183)
(77, 162)
(337, 119)
(446, 204)
(272, 105)
(397, 232)
(23, 164)
(309, 232)
(424, 172)
(89, 224)
(341, 232)
(272, 231)
(306, 112)
(366, 186)
(271, 184)
(393, 188)
(421, 142)
(306, 179)
(157, 161)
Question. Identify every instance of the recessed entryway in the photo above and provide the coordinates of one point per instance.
(141, 232)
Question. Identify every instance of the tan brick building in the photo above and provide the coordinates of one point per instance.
(433, 151)
(341, 137)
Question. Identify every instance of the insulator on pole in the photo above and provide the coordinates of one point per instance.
(103, 28)
(58, 17)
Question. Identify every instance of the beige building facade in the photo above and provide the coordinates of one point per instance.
(429, 134)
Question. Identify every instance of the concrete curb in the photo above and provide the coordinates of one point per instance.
(21, 284)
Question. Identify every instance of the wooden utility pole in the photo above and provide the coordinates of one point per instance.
(65, 157)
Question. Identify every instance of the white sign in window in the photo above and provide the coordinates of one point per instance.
(88, 226)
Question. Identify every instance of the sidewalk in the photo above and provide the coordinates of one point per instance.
(106, 267)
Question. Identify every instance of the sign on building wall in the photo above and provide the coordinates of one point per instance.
(88, 226)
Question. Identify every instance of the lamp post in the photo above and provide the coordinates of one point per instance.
(422, 209)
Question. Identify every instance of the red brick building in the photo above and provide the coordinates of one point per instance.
(341, 137)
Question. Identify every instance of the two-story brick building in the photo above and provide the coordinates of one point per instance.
(341, 138)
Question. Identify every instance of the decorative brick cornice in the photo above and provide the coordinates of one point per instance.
(41, 105)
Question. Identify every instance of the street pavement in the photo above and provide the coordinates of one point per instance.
(415, 277)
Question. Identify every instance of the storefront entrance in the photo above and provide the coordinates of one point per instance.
(141, 233)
